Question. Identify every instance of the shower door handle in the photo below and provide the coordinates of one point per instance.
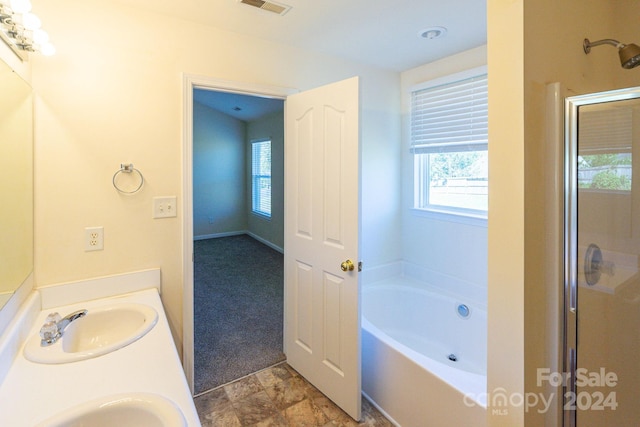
(347, 265)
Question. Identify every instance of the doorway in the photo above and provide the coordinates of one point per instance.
(191, 84)
(602, 248)
(238, 221)
(322, 149)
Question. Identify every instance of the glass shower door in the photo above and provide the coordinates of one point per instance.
(602, 292)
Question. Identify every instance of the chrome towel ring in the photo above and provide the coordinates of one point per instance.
(127, 169)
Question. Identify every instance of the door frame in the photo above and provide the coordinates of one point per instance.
(189, 83)
(570, 286)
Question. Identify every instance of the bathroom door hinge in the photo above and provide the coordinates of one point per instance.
(359, 266)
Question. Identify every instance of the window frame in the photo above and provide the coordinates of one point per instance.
(419, 192)
(255, 196)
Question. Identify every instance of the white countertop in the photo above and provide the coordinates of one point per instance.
(32, 392)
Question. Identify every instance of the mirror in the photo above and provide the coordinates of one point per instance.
(16, 181)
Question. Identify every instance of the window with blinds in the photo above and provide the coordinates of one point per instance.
(605, 147)
(261, 177)
(449, 140)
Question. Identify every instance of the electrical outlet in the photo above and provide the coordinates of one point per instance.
(164, 207)
(93, 239)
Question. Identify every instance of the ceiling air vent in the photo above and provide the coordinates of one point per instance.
(269, 6)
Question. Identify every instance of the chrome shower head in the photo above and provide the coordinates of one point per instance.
(629, 53)
(629, 56)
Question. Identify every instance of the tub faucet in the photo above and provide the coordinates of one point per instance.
(55, 325)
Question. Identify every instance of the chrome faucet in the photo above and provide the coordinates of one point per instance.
(55, 325)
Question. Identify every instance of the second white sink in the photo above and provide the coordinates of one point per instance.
(131, 409)
(101, 331)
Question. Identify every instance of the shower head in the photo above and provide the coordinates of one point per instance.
(629, 56)
(629, 53)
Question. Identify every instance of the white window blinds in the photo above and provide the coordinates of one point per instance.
(605, 130)
(261, 177)
(450, 117)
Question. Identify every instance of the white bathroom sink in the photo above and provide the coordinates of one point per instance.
(101, 331)
(130, 409)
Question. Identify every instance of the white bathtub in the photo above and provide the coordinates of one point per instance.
(408, 336)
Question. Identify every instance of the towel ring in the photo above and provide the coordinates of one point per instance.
(127, 169)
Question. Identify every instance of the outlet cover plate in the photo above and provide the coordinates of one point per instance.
(164, 207)
(93, 239)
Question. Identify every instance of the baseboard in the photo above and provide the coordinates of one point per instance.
(239, 233)
(218, 235)
(266, 242)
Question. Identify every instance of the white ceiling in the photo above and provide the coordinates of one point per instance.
(383, 33)
(242, 107)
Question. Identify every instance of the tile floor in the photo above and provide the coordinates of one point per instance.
(277, 396)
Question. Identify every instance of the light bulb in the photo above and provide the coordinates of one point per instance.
(47, 49)
(20, 6)
(31, 21)
(40, 36)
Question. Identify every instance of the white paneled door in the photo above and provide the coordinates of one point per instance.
(322, 221)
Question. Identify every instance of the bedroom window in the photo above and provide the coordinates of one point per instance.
(261, 177)
(449, 140)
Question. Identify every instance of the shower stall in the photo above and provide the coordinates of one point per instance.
(601, 259)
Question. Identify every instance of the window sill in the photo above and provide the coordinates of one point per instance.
(476, 220)
(261, 215)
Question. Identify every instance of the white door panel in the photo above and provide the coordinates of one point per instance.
(322, 315)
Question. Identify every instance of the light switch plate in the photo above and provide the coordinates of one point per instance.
(164, 207)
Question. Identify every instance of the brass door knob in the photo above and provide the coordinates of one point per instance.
(347, 265)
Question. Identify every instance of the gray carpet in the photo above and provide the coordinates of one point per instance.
(238, 309)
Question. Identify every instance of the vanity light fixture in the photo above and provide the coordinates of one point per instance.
(20, 28)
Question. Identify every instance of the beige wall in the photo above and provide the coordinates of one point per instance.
(505, 349)
(23, 68)
(625, 18)
(113, 94)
